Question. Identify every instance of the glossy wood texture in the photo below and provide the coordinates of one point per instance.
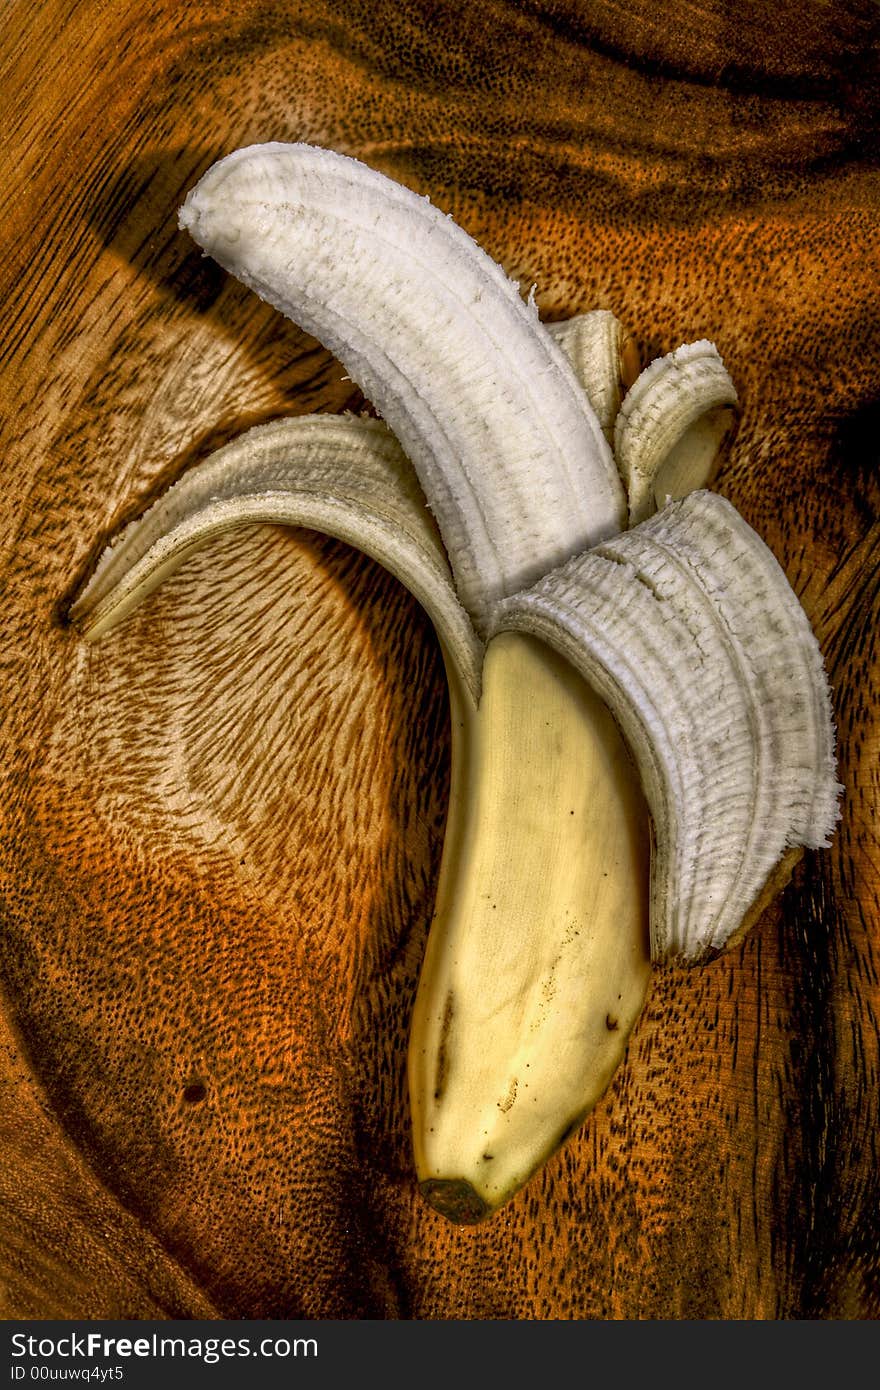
(221, 828)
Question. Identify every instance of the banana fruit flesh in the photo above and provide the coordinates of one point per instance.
(538, 961)
(642, 727)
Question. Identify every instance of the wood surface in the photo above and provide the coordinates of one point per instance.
(221, 828)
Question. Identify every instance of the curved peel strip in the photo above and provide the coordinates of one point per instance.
(345, 476)
(509, 452)
(671, 426)
(688, 629)
(602, 354)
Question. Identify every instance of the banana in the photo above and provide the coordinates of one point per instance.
(641, 722)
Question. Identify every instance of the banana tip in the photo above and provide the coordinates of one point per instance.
(455, 1199)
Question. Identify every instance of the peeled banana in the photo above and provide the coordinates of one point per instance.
(538, 958)
(641, 721)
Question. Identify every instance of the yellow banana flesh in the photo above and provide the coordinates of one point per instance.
(538, 960)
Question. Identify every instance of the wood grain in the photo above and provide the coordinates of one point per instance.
(221, 829)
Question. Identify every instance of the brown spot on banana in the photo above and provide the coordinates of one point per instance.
(508, 1101)
(442, 1048)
